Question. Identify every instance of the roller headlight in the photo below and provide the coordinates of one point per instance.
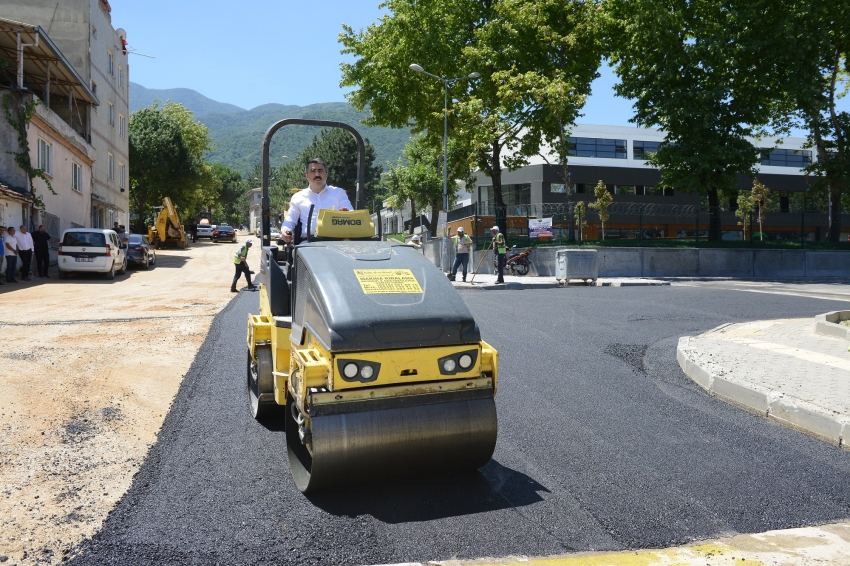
(465, 361)
(350, 370)
(366, 372)
(449, 365)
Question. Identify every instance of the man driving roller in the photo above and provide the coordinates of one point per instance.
(319, 195)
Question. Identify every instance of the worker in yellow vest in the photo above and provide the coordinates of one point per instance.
(462, 245)
(500, 249)
(241, 265)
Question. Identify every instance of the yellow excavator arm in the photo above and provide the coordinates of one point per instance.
(167, 227)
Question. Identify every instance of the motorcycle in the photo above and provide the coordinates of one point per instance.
(516, 262)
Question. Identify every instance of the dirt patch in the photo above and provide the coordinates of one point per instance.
(90, 370)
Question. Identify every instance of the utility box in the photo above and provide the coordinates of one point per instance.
(576, 264)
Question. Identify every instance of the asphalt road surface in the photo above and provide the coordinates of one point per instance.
(603, 444)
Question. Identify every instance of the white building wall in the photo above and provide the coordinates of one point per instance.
(71, 207)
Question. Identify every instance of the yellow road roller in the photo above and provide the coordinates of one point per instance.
(366, 352)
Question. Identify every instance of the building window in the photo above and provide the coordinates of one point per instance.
(122, 126)
(642, 149)
(598, 147)
(786, 157)
(76, 177)
(120, 77)
(122, 170)
(94, 32)
(110, 63)
(45, 156)
(111, 115)
(110, 166)
(624, 189)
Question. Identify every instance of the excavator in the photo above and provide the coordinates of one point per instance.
(168, 229)
(364, 352)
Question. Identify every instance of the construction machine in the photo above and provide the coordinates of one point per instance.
(167, 229)
(365, 352)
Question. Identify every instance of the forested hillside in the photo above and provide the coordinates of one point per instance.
(238, 134)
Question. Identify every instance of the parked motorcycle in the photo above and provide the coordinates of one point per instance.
(515, 261)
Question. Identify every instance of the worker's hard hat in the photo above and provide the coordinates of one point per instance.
(416, 237)
(496, 228)
(460, 228)
(249, 241)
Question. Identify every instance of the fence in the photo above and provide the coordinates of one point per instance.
(634, 223)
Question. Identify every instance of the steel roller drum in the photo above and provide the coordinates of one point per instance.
(362, 446)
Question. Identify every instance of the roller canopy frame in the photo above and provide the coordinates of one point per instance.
(267, 140)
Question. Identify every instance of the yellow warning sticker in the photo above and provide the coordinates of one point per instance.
(377, 281)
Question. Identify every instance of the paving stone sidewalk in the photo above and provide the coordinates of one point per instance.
(487, 281)
(779, 369)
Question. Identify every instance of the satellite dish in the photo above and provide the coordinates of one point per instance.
(121, 33)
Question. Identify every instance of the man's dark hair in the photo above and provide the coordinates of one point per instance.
(318, 160)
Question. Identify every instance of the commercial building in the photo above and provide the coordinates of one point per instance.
(82, 31)
(618, 156)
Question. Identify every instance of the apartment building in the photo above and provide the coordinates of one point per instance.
(57, 133)
(82, 30)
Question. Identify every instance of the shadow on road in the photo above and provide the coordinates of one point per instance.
(491, 488)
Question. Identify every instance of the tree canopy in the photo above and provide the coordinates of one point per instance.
(167, 148)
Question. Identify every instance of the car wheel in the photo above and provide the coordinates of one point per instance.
(154, 259)
(111, 273)
(63, 274)
(147, 263)
(123, 269)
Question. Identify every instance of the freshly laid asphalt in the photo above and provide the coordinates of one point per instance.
(604, 443)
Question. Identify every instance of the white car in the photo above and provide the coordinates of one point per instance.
(91, 250)
(205, 231)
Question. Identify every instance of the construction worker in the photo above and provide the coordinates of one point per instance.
(240, 260)
(500, 249)
(462, 245)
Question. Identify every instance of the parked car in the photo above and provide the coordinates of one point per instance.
(224, 232)
(91, 250)
(274, 234)
(205, 231)
(140, 251)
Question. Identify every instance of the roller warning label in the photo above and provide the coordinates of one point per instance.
(377, 281)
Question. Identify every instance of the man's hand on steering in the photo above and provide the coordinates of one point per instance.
(287, 236)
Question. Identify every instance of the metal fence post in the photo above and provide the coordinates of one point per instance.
(696, 233)
(640, 223)
(803, 229)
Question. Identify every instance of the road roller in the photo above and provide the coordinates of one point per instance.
(365, 352)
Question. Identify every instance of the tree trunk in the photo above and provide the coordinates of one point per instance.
(500, 211)
(412, 215)
(835, 211)
(435, 218)
(714, 227)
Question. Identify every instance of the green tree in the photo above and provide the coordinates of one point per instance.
(537, 60)
(603, 199)
(818, 77)
(745, 208)
(705, 72)
(580, 217)
(760, 199)
(232, 189)
(167, 148)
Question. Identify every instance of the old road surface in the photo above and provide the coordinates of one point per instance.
(603, 444)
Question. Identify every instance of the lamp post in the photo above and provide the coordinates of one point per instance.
(446, 84)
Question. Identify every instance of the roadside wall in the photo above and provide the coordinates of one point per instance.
(655, 262)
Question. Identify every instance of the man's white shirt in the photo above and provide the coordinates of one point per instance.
(24, 241)
(299, 207)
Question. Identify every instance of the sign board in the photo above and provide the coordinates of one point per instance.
(381, 281)
(441, 223)
(540, 228)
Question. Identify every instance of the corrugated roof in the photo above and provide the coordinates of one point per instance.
(37, 59)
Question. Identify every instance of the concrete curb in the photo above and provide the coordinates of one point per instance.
(775, 405)
(829, 324)
(547, 283)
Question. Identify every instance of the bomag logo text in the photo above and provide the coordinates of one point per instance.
(345, 222)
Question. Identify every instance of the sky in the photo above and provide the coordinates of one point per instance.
(255, 52)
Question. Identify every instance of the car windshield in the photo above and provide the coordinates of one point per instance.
(135, 238)
(220, 228)
(95, 239)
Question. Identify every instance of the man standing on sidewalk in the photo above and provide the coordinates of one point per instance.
(242, 266)
(2, 252)
(500, 250)
(11, 248)
(462, 245)
(25, 249)
(41, 239)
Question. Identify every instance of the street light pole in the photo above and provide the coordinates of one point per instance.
(446, 84)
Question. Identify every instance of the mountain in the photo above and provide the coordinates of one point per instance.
(197, 102)
(238, 133)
